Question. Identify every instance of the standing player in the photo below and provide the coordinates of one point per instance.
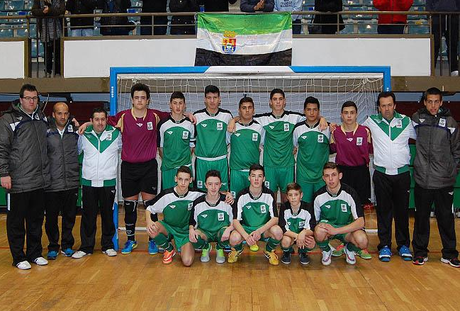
(390, 134)
(175, 204)
(244, 146)
(312, 145)
(339, 215)
(211, 146)
(176, 141)
(435, 172)
(211, 219)
(297, 222)
(255, 218)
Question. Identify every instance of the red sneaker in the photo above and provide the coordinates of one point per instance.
(168, 256)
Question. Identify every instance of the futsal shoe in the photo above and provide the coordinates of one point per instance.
(233, 256)
(205, 253)
(327, 257)
(153, 248)
(286, 258)
(129, 246)
(68, 252)
(272, 257)
(80, 254)
(110, 252)
(338, 251)
(168, 256)
(23, 265)
(220, 256)
(420, 260)
(385, 254)
(254, 248)
(52, 255)
(304, 259)
(453, 262)
(349, 256)
(40, 261)
(364, 254)
(405, 253)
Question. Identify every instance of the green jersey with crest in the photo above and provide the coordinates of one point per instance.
(297, 221)
(339, 210)
(312, 152)
(211, 132)
(252, 211)
(209, 217)
(278, 138)
(245, 145)
(175, 208)
(176, 138)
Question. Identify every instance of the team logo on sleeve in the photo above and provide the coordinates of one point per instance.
(220, 126)
(343, 207)
(255, 136)
(199, 183)
(149, 126)
(320, 139)
(359, 141)
(442, 122)
(267, 184)
(185, 135)
(263, 208)
(220, 217)
(286, 127)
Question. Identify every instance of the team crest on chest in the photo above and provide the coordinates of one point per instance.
(190, 206)
(286, 127)
(255, 136)
(149, 126)
(263, 208)
(70, 128)
(109, 136)
(343, 207)
(320, 138)
(220, 126)
(220, 216)
(301, 224)
(359, 141)
(184, 135)
(442, 122)
(399, 124)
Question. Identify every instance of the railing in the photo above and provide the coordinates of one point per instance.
(355, 23)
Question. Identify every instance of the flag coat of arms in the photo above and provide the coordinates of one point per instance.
(244, 40)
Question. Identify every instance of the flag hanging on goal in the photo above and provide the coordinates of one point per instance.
(244, 40)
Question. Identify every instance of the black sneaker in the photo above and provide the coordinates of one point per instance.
(304, 259)
(454, 262)
(419, 260)
(286, 258)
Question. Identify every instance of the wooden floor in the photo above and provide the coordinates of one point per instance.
(141, 282)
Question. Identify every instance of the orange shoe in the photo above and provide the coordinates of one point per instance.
(168, 256)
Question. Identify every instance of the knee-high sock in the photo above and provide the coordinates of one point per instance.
(130, 218)
(162, 241)
(324, 246)
(272, 244)
(201, 243)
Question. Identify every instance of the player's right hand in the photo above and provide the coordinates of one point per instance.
(6, 182)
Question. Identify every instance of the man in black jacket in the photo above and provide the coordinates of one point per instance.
(216, 5)
(62, 194)
(24, 174)
(159, 22)
(81, 26)
(435, 171)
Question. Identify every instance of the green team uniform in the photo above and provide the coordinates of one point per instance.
(312, 154)
(278, 159)
(244, 151)
(211, 145)
(212, 220)
(176, 138)
(176, 210)
(253, 213)
(339, 210)
(296, 222)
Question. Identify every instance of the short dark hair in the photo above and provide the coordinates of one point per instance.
(27, 87)
(432, 91)
(277, 91)
(177, 94)
(98, 110)
(184, 169)
(140, 87)
(245, 99)
(310, 100)
(293, 186)
(384, 95)
(349, 103)
(256, 167)
(212, 173)
(331, 165)
(211, 89)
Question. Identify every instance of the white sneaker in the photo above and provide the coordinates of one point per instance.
(79, 254)
(454, 73)
(40, 261)
(349, 256)
(23, 265)
(110, 252)
(327, 257)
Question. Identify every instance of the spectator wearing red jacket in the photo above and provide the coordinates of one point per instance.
(392, 23)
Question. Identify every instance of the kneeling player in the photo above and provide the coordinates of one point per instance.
(255, 218)
(176, 205)
(297, 222)
(211, 219)
(339, 215)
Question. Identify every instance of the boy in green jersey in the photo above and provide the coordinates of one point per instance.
(211, 219)
(176, 140)
(175, 204)
(297, 222)
(255, 218)
(339, 215)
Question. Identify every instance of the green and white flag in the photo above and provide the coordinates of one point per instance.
(244, 40)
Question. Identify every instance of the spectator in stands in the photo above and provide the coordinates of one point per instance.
(332, 19)
(81, 26)
(159, 22)
(113, 26)
(24, 171)
(179, 22)
(216, 5)
(447, 26)
(389, 23)
(50, 31)
(257, 5)
(291, 6)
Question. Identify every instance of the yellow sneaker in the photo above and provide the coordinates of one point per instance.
(233, 256)
(272, 257)
(254, 248)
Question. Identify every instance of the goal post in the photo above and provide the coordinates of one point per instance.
(331, 85)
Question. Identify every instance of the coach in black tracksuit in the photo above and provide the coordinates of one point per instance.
(435, 171)
(62, 194)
